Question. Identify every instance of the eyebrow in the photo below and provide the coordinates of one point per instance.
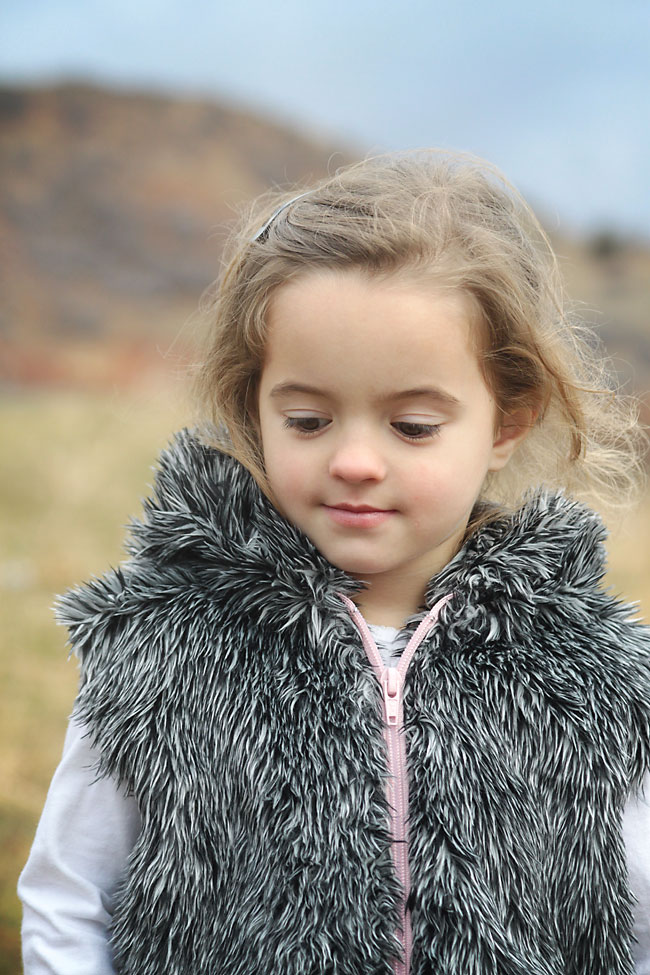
(428, 392)
(281, 389)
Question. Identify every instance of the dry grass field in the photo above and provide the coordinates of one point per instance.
(74, 468)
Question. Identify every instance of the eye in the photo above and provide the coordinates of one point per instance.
(416, 431)
(306, 424)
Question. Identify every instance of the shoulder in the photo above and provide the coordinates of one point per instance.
(546, 558)
(532, 583)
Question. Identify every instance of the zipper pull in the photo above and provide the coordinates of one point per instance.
(391, 684)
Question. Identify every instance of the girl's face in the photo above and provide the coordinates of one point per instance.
(377, 426)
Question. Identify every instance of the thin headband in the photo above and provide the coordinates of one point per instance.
(263, 232)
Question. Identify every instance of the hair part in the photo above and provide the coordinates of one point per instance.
(454, 221)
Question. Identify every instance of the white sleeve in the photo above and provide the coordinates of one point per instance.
(636, 832)
(87, 830)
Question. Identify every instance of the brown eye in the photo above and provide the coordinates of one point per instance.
(416, 431)
(305, 424)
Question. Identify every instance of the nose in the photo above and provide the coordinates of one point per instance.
(355, 459)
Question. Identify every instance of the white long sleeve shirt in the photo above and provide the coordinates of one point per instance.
(89, 827)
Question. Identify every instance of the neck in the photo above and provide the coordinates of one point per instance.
(390, 598)
(385, 605)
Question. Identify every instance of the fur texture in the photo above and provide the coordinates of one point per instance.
(225, 685)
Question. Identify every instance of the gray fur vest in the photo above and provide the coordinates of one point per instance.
(226, 687)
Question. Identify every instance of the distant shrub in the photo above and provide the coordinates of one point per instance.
(13, 104)
(605, 245)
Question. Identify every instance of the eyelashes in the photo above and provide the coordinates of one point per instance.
(408, 430)
(416, 431)
(306, 424)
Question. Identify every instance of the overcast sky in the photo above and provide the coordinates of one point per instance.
(556, 93)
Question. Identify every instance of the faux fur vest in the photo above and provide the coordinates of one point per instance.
(226, 686)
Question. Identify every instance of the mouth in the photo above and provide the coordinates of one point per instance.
(358, 515)
(358, 508)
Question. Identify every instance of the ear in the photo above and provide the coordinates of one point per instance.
(514, 428)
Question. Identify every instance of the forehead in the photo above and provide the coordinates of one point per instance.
(370, 330)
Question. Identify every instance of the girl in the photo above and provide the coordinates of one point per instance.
(357, 703)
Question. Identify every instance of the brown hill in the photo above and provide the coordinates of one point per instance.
(112, 211)
(110, 214)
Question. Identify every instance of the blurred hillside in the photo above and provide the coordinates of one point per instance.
(112, 214)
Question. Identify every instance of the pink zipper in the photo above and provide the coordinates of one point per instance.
(392, 682)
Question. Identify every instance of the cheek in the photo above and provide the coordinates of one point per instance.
(427, 489)
(430, 477)
(444, 487)
(288, 475)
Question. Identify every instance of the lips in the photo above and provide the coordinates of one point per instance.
(358, 515)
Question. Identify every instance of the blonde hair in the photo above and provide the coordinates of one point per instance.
(455, 221)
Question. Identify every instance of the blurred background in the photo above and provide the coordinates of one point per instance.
(130, 133)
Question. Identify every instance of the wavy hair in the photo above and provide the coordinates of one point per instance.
(452, 220)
